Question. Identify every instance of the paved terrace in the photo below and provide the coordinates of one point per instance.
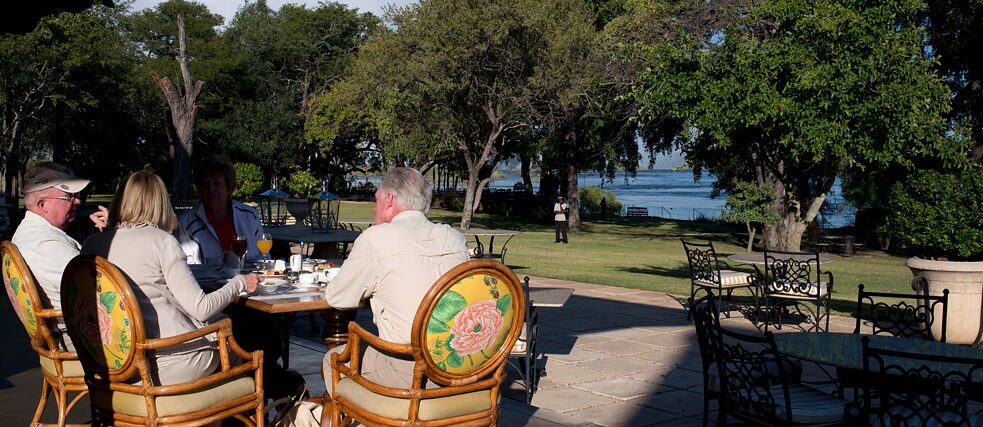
(614, 357)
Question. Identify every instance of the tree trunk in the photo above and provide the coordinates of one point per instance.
(573, 191)
(750, 240)
(795, 214)
(526, 178)
(472, 194)
(183, 109)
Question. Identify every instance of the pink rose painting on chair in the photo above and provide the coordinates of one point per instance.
(469, 323)
(101, 319)
(476, 327)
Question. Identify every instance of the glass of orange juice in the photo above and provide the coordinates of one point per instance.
(264, 243)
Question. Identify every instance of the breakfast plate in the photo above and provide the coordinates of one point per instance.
(271, 286)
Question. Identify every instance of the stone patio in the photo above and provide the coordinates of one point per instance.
(614, 357)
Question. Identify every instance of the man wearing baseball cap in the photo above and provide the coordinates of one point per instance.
(51, 199)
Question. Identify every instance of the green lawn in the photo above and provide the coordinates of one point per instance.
(647, 254)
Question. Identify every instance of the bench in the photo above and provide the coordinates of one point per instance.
(636, 212)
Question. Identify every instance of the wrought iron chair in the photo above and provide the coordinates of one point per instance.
(703, 321)
(705, 273)
(526, 348)
(61, 371)
(476, 296)
(909, 389)
(912, 317)
(755, 389)
(795, 278)
(707, 323)
(106, 325)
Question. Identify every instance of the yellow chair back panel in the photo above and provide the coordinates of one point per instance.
(96, 306)
(469, 323)
(20, 299)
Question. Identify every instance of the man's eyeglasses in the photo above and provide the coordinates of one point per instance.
(70, 198)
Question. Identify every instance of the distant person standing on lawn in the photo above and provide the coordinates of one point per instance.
(560, 210)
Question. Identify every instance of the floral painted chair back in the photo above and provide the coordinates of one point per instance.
(22, 291)
(469, 321)
(102, 317)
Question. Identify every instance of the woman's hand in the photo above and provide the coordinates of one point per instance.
(252, 281)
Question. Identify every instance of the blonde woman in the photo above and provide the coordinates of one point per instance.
(140, 243)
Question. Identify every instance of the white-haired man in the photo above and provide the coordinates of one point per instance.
(51, 199)
(395, 262)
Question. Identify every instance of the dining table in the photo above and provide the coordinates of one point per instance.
(325, 242)
(845, 350)
(480, 251)
(284, 305)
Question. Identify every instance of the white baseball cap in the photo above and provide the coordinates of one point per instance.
(50, 174)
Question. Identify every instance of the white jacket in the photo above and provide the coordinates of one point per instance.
(200, 242)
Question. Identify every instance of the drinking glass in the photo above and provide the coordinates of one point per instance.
(239, 246)
(264, 244)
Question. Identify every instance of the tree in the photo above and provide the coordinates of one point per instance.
(447, 76)
(184, 106)
(62, 84)
(749, 205)
(276, 61)
(573, 102)
(955, 30)
(787, 94)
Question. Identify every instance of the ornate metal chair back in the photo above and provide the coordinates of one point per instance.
(903, 388)
(915, 316)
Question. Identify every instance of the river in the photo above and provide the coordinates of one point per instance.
(676, 195)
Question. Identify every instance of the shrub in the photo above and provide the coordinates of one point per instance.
(249, 180)
(304, 184)
(939, 215)
(590, 200)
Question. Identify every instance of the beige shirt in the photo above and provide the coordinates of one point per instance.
(395, 265)
(170, 298)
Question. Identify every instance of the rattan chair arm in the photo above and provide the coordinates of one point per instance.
(58, 354)
(485, 384)
(379, 343)
(49, 313)
(151, 344)
(203, 382)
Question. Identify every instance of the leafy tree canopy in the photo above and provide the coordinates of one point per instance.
(790, 94)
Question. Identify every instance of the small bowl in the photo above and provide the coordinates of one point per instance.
(269, 286)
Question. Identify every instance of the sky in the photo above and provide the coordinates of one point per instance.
(228, 8)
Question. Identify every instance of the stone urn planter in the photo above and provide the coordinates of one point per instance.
(964, 280)
(299, 208)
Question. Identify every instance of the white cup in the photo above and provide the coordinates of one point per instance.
(296, 262)
(306, 278)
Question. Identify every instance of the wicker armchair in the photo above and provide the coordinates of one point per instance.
(469, 378)
(60, 369)
(106, 325)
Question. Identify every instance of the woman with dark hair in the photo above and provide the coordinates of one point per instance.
(216, 221)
